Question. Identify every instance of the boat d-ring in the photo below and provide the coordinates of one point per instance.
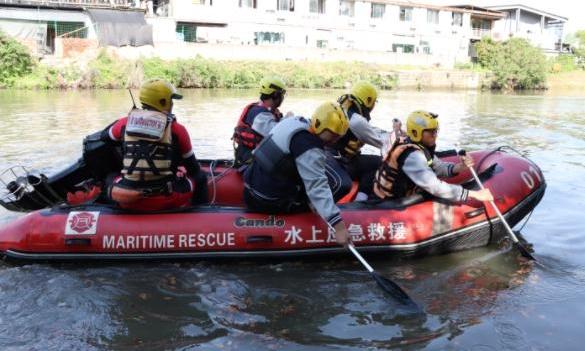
(475, 213)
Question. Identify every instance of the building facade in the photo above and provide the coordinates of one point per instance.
(384, 31)
(544, 30)
(44, 25)
(380, 26)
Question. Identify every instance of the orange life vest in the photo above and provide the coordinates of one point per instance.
(390, 181)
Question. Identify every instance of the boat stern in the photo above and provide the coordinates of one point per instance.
(14, 235)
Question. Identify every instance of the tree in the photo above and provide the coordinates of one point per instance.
(515, 63)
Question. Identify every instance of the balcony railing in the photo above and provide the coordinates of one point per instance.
(78, 3)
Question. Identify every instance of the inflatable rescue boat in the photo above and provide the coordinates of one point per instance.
(417, 225)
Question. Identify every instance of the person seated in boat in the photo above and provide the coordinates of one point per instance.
(358, 105)
(160, 170)
(258, 118)
(410, 165)
(290, 172)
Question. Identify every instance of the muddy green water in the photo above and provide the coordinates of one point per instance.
(485, 299)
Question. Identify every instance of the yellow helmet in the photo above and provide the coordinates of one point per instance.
(366, 93)
(329, 116)
(419, 121)
(272, 84)
(157, 93)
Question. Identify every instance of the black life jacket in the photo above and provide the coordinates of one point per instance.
(274, 155)
(349, 145)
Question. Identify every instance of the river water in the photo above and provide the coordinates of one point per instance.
(484, 299)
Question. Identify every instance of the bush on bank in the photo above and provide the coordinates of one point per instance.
(515, 64)
(15, 60)
(205, 73)
(110, 73)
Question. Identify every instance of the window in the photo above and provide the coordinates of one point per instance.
(432, 16)
(406, 14)
(457, 19)
(317, 6)
(322, 44)
(346, 8)
(378, 10)
(426, 49)
(285, 5)
(186, 32)
(403, 48)
(268, 38)
(248, 3)
(68, 29)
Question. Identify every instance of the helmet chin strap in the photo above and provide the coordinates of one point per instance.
(431, 149)
(276, 102)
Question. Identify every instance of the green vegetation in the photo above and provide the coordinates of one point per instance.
(580, 40)
(15, 60)
(564, 63)
(515, 64)
(110, 73)
(570, 62)
(107, 73)
(204, 73)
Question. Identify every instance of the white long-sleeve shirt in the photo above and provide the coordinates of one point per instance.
(312, 168)
(263, 123)
(416, 168)
(365, 132)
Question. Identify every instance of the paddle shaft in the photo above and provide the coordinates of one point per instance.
(359, 257)
(355, 252)
(506, 225)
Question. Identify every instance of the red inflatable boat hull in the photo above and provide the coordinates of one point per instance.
(226, 229)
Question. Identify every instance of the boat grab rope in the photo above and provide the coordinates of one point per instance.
(215, 178)
(504, 148)
(526, 221)
(521, 154)
(213, 183)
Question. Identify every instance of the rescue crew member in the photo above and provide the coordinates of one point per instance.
(411, 165)
(358, 105)
(258, 118)
(290, 172)
(154, 146)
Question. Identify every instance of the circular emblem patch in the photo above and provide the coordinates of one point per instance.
(82, 222)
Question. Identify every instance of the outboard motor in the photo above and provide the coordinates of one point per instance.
(26, 192)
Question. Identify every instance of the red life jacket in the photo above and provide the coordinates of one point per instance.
(243, 133)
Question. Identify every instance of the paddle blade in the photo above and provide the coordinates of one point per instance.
(394, 290)
(524, 251)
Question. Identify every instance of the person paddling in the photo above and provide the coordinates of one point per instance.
(290, 172)
(411, 165)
